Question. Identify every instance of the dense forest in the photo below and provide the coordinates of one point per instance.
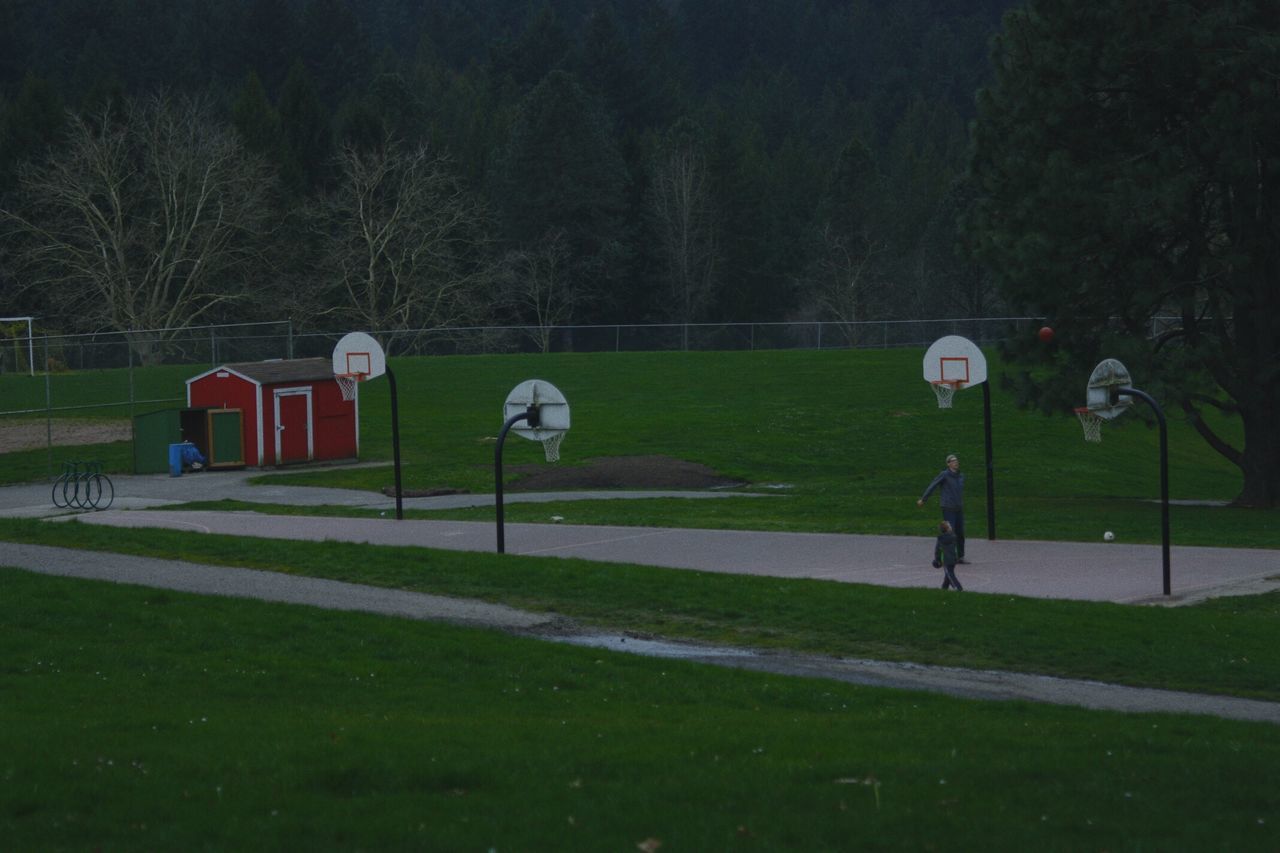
(392, 164)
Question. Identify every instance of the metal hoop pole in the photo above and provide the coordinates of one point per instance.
(395, 441)
(991, 468)
(1164, 479)
(497, 474)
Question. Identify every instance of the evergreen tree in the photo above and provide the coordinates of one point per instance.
(304, 125)
(847, 278)
(740, 168)
(923, 158)
(562, 173)
(542, 47)
(270, 33)
(607, 69)
(463, 113)
(333, 48)
(32, 123)
(12, 49)
(257, 121)
(1126, 167)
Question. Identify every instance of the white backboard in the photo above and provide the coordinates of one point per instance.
(358, 353)
(1099, 396)
(553, 409)
(955, 359)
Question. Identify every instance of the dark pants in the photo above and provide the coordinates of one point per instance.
(956, 519)
(950, 580)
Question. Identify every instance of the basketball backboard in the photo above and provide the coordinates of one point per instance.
(360, 356)
(553, 409)
(1102, 394)
(956, 361)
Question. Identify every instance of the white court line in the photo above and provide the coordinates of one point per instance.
(608, 541)
(173, 522)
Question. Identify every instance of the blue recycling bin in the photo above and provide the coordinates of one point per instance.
(175, 459)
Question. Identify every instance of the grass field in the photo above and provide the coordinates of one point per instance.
(853, 435)
(199, 722)
(1222, 646)
(137, 719)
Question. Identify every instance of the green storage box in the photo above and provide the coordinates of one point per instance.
(152, 435)
(216, 432)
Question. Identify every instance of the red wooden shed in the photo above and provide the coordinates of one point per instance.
(293, 409)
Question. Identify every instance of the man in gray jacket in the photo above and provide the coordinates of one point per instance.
(951, 483)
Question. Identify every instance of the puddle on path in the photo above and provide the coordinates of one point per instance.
(655, 648)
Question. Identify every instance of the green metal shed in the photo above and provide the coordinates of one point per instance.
(216, 432)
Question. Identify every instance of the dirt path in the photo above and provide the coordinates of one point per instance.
(32, 434)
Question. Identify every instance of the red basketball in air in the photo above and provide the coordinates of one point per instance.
(1046, 334)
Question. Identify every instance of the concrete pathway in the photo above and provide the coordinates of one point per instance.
(266, 586)
(146, 491)
(316, 592)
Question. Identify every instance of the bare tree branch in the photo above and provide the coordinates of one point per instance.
(406, 243)
(681, 209)
(146, 219)
(539, 284)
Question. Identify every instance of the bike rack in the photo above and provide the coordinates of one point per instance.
(82, 485)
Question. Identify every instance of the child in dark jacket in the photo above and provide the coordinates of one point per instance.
(944, 556)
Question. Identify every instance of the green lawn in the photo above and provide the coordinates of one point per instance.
(1223, 646)
(853, 435)
(137, 719)
(829, 423)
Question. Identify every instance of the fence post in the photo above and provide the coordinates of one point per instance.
(48, 407)
(128, 353)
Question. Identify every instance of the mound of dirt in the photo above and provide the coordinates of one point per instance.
(619, 472)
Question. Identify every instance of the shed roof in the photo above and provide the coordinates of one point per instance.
(283, 370)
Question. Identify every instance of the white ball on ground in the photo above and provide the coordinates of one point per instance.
(1108, 536)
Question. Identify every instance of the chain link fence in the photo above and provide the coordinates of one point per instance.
(677, 337)
(87, 388)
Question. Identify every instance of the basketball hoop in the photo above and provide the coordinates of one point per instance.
(1091, 422)
(347, 382)
(946, 391)
(551, 446)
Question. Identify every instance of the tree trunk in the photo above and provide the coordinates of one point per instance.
(1260, 459)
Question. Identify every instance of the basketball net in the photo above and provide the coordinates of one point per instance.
(1092, 424)
(347, 382)
(946, 391)
(551, 446)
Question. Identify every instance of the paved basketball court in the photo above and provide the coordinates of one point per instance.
(1098, 572)
(1094, 571)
